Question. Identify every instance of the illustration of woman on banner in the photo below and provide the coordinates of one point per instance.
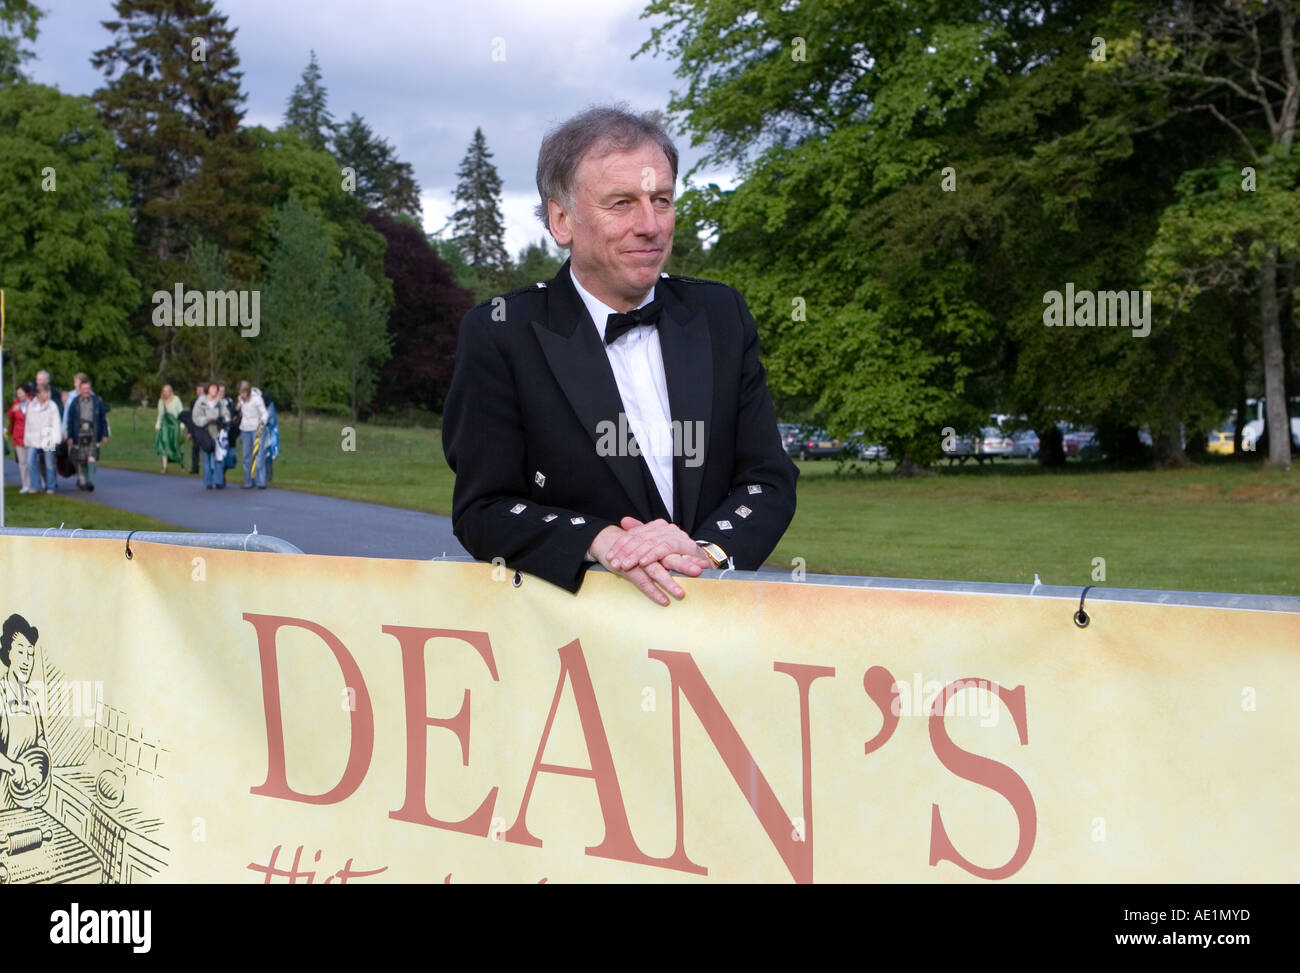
(24, 751)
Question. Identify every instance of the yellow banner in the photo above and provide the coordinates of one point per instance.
(196, 715)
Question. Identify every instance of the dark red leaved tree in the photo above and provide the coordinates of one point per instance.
(427, 307)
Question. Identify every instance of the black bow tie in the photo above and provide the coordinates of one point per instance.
(617, 325)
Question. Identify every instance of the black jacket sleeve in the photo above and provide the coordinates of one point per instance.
(484, 442)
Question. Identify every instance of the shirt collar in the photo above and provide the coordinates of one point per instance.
(598, 310)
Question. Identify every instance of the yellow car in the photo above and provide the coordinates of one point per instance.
(1221, 442)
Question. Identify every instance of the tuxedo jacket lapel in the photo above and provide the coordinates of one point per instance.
(578, 360)
(580, 364)
(688, 366)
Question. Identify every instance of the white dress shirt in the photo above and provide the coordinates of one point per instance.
(638, 364)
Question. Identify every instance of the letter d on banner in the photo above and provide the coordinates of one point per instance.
(361, 744)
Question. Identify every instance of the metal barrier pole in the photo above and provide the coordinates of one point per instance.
(263, 543)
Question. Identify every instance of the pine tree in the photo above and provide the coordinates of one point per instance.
(477, 225)
(308, 112)
(18, 19)
(382, 181)
(175, 110)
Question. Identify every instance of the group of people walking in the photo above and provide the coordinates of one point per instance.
(212, 424)
(50, 429)
(60, 434)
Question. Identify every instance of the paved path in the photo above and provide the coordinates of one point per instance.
(318, 525)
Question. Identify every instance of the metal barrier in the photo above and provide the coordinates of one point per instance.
(1090, 593)
(266, 543)
(263, 543)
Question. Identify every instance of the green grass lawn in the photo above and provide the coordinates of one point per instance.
(1217, 527)
(44, 510)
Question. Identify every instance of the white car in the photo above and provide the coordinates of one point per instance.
(993, 442)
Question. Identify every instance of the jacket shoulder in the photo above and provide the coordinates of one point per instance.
(701, 290)
(533, 291)
(697, 280)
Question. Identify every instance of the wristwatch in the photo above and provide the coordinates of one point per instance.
(713, 552)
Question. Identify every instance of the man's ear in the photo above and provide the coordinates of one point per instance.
(561, 230)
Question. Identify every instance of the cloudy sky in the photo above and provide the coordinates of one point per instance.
(422, 73)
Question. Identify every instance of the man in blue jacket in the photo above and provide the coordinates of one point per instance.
(86, 423)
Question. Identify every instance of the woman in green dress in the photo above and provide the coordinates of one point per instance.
(167, 438)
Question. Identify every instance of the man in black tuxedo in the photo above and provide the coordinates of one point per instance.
(614, 414)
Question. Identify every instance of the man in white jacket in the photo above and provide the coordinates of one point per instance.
(252, 418)
(42, 435)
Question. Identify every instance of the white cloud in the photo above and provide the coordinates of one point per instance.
(422, 74)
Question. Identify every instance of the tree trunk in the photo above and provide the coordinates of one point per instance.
(909, 467)
(1051, 446)
(1168, 438)
(1239, 362)
(1275, 403)
(1286, 322)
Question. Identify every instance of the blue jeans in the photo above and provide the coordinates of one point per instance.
(214, 472)
(42, 468)
(246, 439)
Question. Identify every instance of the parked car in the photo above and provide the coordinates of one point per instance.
(1024, 443)
(814, 444)
(960, 449)
(857, 446)
(789, 432)
(1077, 440)
(1220, 442)
(993, 442)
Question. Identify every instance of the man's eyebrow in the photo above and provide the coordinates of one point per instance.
(624, 193)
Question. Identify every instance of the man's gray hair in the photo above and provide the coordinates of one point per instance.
(603, 130)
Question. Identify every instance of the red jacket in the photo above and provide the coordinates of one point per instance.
(17, 422)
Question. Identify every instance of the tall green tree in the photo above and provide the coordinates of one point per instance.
(308, 112)
(363, 331)
(536, 262)
(208, 353)
(18, 23)
(477, 225)
(288, 165)
(1237, 64)
(915, 179)
(299, 328)
(65, 240)
(382, 181)
(174, 101)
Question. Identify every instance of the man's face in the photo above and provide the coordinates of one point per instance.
(621, 228)
(84, 389)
